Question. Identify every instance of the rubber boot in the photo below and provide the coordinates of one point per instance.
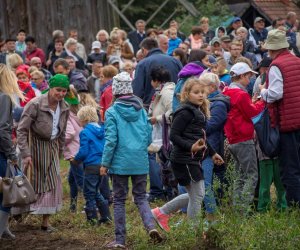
(4, 231)
(104, 212)
(91, 216)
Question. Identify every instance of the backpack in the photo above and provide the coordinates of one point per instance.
(177, 92)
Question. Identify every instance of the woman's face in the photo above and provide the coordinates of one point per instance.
(37, 80)
(102, 37)
(56, 94)
(72, 47)
(115, 40)
(58, 46)
(205, 61)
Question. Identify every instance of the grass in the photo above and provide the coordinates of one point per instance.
(271, 230)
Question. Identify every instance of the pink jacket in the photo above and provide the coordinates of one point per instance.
(72, 136)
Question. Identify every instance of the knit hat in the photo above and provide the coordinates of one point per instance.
(276, 40)
(59, 80)
(122, 84)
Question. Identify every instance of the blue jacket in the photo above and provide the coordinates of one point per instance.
(173, 44)
(219, 107)
(142, 82)
(127, 137)
(91, 144)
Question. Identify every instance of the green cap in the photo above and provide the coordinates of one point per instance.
(276, 40)
(60, 81)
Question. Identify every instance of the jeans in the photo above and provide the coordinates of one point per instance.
(75, 180)
(104, 187)
(120, 189)
(156, 186)
(209, 198)
(3, 166)
(192, 200)
(91, 192)
(289, 163)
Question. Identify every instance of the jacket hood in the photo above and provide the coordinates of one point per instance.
(78, 80)
(222, 98)
(94, 130)
(191, 69)
(217, 31)
(129, 107)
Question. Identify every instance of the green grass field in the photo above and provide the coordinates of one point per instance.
(271, 230)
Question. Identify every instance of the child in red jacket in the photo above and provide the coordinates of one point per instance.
(239, 130)
(24, 85)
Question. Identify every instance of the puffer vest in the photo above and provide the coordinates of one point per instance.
(193, 132)
(286, 112)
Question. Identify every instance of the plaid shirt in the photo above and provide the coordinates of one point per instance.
(47, 74)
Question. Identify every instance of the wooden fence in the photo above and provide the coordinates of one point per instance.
(40, 17)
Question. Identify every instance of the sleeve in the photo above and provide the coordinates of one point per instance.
(180, 122)
(28, 117)
(211, 151)
(218, 116)
(275, 88)
(62, 137)
(249, 109)
(6, 145)
(167, 100)
(84, 147)
(139, 81)
(70, 132)
(111, 139)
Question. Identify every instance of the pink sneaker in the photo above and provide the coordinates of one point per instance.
(161, 219)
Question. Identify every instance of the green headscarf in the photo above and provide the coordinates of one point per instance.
(60, 81)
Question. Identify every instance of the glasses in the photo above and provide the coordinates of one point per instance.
(35, 79)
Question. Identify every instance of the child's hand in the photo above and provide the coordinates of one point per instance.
(103, 171)
(198, 145)
(217, 159)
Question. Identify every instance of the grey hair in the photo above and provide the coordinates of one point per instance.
(69, 42)
(210, 78)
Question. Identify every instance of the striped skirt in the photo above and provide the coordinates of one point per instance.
(45, 176)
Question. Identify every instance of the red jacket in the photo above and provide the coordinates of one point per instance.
(36, 53)
(239, 127)
(28, 92)
(106, 99)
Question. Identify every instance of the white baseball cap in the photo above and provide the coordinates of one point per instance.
(96, 45)
(240, 69)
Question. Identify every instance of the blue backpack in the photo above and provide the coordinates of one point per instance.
(177, 92)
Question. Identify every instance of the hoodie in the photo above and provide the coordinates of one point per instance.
(219, 107)
(127, 136)
(191, 69)
(91, 145)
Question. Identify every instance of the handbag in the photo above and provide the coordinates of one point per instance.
(268, 137)
(167, 175)
(17, 190)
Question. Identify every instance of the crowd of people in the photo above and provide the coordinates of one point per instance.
(151, 103)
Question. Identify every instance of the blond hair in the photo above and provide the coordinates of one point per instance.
(9, 85)
(87, 114)
(14, 61)
(38, 73)
(87, 99)
(31, 69)
(187, 88)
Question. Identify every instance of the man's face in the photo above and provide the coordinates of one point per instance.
(61, 70)
(36, 62)
(21, 37)
(226, 45)
(140, 27)
(71, 63)
(235, 51)
(11, 46)
(164, 44)
(96, 68)
(260, 24)
(74, 34)
(242, 34)
(279, 23)
(30, 46)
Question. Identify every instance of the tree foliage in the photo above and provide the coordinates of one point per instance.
(216, 10)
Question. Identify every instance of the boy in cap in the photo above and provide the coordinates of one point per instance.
(127, 137)
(239, 131)
(96, 54)
(282, 91)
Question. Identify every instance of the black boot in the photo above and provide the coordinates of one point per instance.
(91, 216)
(104, 212)
(73, 205)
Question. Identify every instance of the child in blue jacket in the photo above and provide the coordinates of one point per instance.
(127, 137)
(90, 153)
